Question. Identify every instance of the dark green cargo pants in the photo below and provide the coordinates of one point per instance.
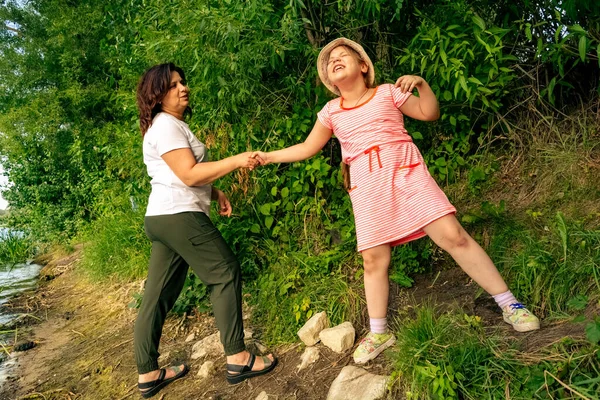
(178, 241)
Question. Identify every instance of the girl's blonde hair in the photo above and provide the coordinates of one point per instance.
(345, 175)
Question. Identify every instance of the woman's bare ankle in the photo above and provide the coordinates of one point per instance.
(240, 358)
(153, 375)
(148, 377)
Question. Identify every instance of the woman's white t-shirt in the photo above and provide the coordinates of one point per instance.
(169, 194)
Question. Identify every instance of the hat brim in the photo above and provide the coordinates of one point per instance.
(324, 59)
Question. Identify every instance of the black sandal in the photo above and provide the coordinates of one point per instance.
(149, 389)
(245, 371)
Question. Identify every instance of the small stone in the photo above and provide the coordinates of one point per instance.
(164, 357)
(247, 334)
(262, 349)
(309, 333)
(190, 337)
(209, 346)
(206, 370)
(355, 383)
(262, 396)
(24, 346)
(339, 338)
(310, 356)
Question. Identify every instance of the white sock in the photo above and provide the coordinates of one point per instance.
(378, 325)
(505, 299)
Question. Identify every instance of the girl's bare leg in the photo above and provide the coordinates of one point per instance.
(447, 233)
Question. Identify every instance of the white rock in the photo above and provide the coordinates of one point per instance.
(310, 356)
(206, 370)
(190, 337)
(163, 357)
(209, 346)
(339, 338)
(260, 347)
(262, 396)
(247, 334)
(309, 333)
(355, 383)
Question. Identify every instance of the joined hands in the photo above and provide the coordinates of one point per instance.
(252, 159)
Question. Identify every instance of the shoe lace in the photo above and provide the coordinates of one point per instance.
(517, 306)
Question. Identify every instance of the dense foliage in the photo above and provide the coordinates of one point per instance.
(69, 141)
(71, 147)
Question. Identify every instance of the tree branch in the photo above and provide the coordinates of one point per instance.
(309, 34)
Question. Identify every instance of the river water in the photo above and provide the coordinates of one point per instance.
(14, 279)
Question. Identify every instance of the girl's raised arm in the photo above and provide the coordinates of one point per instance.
(315, 141)
(425, 107)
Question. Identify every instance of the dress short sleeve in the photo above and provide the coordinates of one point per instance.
(324, 117)
(399, 97)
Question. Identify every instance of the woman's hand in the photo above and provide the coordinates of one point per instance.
(407, 83)
(261, 157)
(222, 201)
(246, 160)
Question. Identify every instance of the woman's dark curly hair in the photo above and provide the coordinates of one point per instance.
(152, 89)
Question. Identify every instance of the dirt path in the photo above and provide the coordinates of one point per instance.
(85, 351)
(84, 343)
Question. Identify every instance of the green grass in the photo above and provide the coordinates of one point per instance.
(442, 355)
(298, 286)
(116, 246)
(554, 265)
(15, 248)
(451, 356)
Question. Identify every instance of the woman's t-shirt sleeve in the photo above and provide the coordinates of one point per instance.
(170, 137)
(399, 97)
(324, 117)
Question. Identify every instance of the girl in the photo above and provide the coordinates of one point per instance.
(394, 198)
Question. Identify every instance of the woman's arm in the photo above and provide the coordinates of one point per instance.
(425, 107)
(316, 140)
(192, 173)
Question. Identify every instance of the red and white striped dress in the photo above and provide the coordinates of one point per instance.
(393, 195)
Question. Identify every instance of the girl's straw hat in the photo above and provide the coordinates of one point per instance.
(324, 58)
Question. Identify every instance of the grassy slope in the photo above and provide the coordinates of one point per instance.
(538, 216)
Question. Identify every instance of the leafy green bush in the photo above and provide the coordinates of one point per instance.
(71, 147)
(409, 259)
(303, 286)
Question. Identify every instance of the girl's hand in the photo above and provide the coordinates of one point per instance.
(407, 83)
(246, 160)
(261, 157)
(223, 202)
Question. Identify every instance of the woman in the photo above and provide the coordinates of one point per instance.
(178, 224)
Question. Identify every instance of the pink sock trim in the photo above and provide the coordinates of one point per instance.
(505, 299)
(378, 325)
